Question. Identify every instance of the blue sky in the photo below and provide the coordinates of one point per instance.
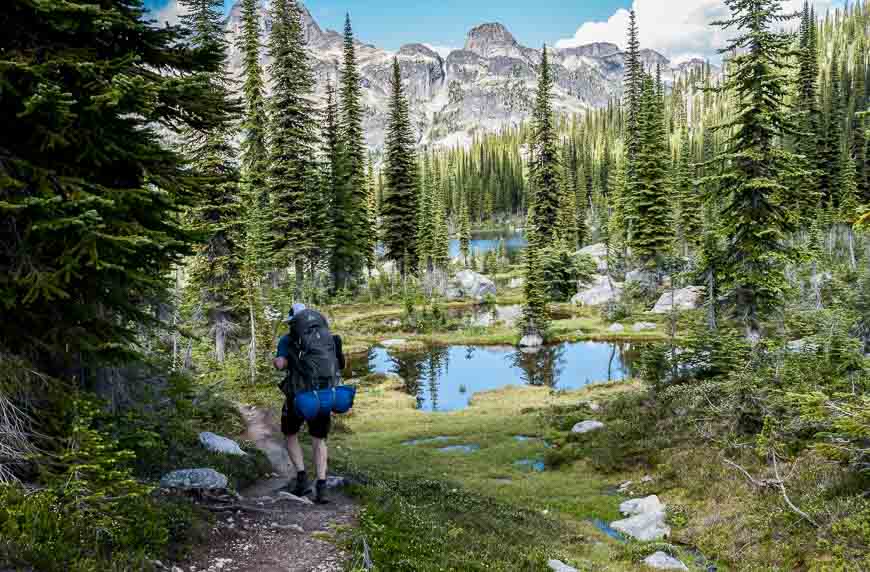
(392, 23)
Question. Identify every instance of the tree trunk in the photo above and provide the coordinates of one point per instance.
(220, 338)
(252, 351)
(711, 300)
(853, 262)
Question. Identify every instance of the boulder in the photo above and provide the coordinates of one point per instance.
(587, 426)
(643, 327)
(388, 268)
(598, 253)
(640, 277)
(616, 329)
(683, 299)
(194, 479)
(645, 527)
(531, 341)
(470, 284)
(646, 520)
(394, 343)
(662, 561)
(220, 444)
(517, 283)
(599, 292)
(559, 566)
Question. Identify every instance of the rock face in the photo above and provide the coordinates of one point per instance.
(689, 298)
(646, 520)
(194, 479)
(470, 284)
(598, 253)
(662, 561)
(486, 85)
(220, 444)
(587, 426)
(600, 292)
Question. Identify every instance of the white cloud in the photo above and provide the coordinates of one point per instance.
(169, 14)
(677, 28)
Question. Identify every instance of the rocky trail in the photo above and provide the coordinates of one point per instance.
(269, 530)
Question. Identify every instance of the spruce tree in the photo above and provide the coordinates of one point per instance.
(399, 209)
(687, 195)
(807, 194)
(464, 231)
(754, 166)
(89, 183)
(293, 169)
(214, 273)
(545, 170)
(350, 222)
(371, 235)
(256, 200)
(425, 216)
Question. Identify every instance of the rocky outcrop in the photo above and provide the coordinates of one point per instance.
(643, 327)
(646, 520)
(601, 291)
(587, 426)
(531, 341)
(470, 285)
(194, 479)
(616, 329)
(218, 444)
(559, 566)
(689, 298)
(598, 253)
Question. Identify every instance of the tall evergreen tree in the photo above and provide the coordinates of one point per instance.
(89, 184)
(464, 231)
(545, 168)
(214, 272)
(687, 195)
(293, 169)
(400, 197)
(807, 105)
(833, 137)
(755, 166)
(350, 222)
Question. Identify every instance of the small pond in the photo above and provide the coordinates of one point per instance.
(445, 378)
(487, 241)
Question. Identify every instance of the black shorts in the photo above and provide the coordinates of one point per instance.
(291, 422)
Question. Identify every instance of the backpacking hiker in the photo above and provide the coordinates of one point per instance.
(313, 360)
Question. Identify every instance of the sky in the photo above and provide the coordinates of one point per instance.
(677, 28)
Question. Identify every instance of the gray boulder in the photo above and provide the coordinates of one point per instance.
(689, 298)
(598, 253)
(587, 426)
(601, 291)
(616, 329)
(219, 444)
(517, 283)
(646, 520)
(531, 341)
(194, 479)
(559, 566)
(470, 284)
(643, 327)
(640, 277)
(662, 561)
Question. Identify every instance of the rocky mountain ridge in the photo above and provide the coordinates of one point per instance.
(486, 85)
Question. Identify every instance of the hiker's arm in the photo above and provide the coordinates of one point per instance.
(282, 356)
(280, 363)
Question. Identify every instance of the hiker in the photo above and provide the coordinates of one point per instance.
(313, 359)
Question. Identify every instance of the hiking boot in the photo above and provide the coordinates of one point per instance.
(320, 493)
(303, 487)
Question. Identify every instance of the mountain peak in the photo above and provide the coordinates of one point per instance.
(491, 39)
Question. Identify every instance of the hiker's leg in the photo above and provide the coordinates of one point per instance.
(321, 457)
(294, 449)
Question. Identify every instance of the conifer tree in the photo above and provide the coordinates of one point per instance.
(687, 195)
(89, 182)
(214, 273)
(756, 166)
(536, 315)
(350, 222)
(652, 232)
(371, 214)
(807, 105)
(256, 200)
(399, 209)
(464, 231)
(545, 169)
(440, 232)
(568, 215)
(425, 215)
(832, 142)
(293, 169)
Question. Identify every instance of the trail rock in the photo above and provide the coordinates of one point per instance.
(683, 299)
(470, 284)
(616, 329)
(219, 444)
(599, 292)
(640, 506)
(559, 566)
(662, 561)
(643, 327)
(190, 479)
(598, 253)
(587, 426)
(645, 527)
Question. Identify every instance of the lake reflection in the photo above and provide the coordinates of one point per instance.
(445, 378)
(483, 242)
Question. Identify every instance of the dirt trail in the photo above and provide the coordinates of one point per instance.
(271, 531)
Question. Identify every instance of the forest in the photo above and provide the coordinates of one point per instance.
(159, 217)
